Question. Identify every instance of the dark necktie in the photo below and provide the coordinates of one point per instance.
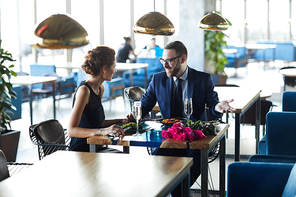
(178, 101)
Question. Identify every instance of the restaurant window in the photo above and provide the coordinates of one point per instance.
(256, 20)
(293, 21)
(279, 20)
(236, 17)
(87, 14)
(116, 22)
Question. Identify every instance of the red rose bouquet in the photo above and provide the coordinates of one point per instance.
(180, 132)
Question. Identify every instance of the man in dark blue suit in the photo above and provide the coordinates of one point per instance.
(180, 79)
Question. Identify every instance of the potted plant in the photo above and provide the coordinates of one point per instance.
(9, 138)
(215, 58)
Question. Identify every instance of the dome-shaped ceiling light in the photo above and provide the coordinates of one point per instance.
(59, 31)
(154, 23)
(213, 21)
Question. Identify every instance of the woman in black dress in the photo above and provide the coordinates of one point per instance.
(88, 117)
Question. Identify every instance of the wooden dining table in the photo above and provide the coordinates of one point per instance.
(244, 98)
(70, 173)
(151, 137)
(30, 81)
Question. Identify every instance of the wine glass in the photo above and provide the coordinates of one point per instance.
(137, 113)
(188, 107)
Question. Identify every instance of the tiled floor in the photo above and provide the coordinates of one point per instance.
(269, 79)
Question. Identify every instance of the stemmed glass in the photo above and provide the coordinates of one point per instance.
(137, 113)
(188, 107)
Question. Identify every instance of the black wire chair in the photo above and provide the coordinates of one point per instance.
(8, 169)
(49, 136)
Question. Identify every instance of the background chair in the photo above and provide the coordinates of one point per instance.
(154, 66)
(134, 94)
(7, 169)
(25, 88)
(64, 85)
(288, 81)
(3, 167)
(249, 117)
(261, 179)
(238, 59)
(280, 134)
(49, 136)
(113, 88)
(289, 101)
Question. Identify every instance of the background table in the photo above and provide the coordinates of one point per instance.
(69, 173)
(243, 99)
(262, 47)
(291, 72)
(31, 80)
(153, 138)
(131, 67)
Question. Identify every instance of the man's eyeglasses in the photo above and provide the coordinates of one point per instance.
(168, 61)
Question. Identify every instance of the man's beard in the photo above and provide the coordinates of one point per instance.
(175, 70)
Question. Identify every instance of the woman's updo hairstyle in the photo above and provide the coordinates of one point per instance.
(97, 58)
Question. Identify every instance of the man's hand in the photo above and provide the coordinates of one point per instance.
(223, 106)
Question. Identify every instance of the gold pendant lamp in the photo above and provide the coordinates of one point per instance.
(154, 23)
(59, 31)
(213, 21)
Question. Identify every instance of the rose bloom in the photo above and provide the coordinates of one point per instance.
(199, 134)
(173, 130)
(187, 130)
(178, 126)
(166, 134)
(190, 136)
(181, 136)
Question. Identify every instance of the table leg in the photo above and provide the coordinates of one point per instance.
(31, 104)
(264, 57)
(54, 99)
(284, 83)
(237, 137)
(131, 78)
(185, 185)
(222, 167)
(126, 149)
(204, 173)
(258, 122)
(92, 148)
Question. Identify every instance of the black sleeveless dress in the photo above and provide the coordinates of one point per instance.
(93, 116)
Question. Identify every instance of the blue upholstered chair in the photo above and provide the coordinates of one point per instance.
(154, 66)
(113, 88)
(238, 59)
(247, 179)
(280, 134)
(285, 51)
(65, 85)
(289, 101)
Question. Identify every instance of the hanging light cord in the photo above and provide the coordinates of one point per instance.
(154, 5)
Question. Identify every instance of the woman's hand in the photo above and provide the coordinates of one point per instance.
(119, 132)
